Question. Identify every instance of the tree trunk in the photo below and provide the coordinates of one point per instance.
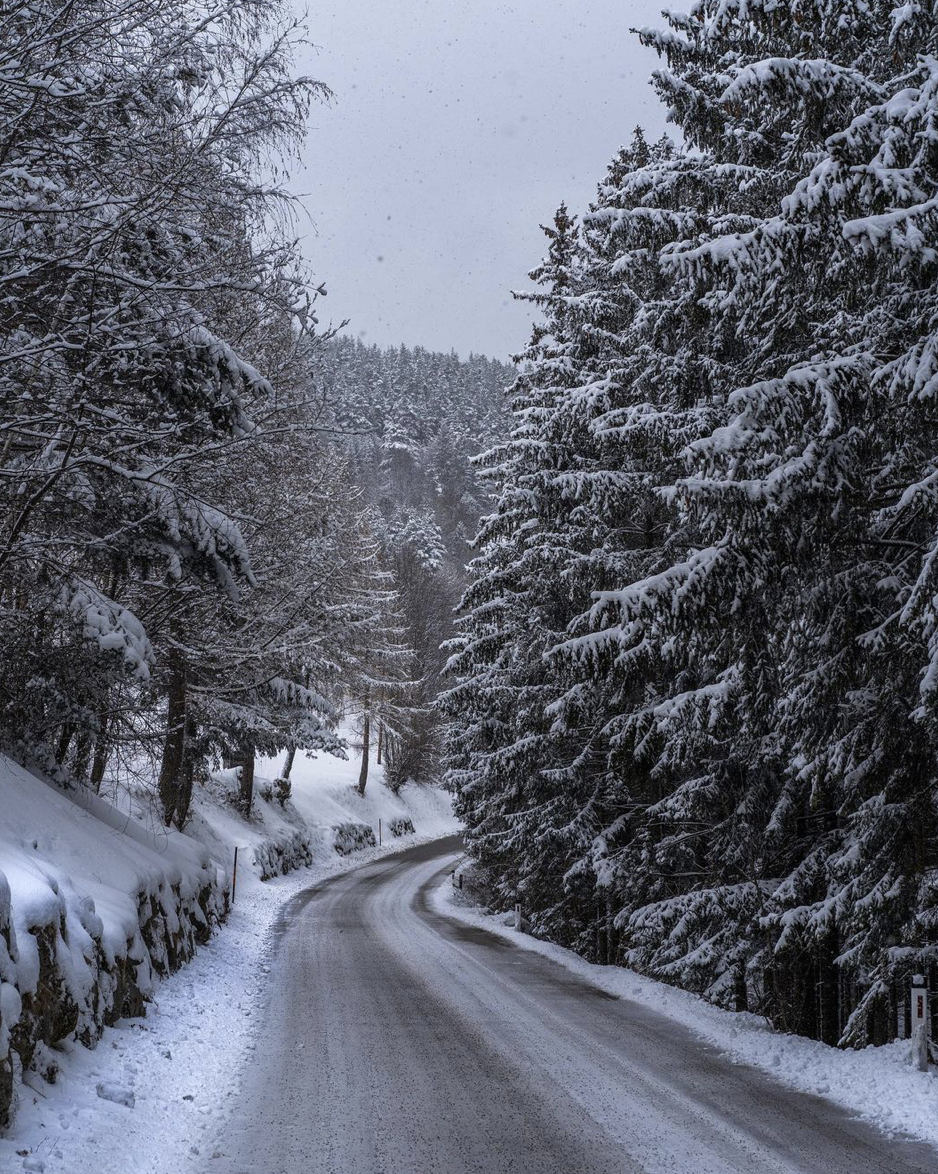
(185, 793)
(82, 756)
(99, 760)
(829, 992)
(246, 796)
(288, 765)
(65, 738)
(186, 775)
(174, 746)
(380, 741)
(366, 747)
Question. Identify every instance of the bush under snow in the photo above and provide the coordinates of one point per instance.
(352, 837)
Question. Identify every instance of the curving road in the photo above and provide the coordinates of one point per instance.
(400, 1042)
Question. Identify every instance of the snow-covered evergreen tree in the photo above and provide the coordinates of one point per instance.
(821, 765)
(412, 420)
(746, 700)
(521, 819)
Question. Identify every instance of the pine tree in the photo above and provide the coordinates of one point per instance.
(412, 420)
(745, 500)
(820, 770)
(521, 819)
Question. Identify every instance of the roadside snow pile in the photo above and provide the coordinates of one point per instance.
(94, 906)
(877, 1083)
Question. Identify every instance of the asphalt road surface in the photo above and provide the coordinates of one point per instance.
(397, 1041)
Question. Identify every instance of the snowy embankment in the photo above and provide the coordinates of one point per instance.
(110, 902)
(94, 907)
(323, 815)
(877, 1084)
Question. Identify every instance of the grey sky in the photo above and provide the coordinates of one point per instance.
(457, 129)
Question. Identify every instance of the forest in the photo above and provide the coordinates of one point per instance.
(655, 599)
(693, 699)
(218, 516)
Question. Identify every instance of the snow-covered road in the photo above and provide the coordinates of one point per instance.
(399, 1041)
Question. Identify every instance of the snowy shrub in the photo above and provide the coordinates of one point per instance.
(352, 837)
(276, 857)
(401, 826)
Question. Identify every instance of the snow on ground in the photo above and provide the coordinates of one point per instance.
(877, 1084)
(324, 795)
(167, 1080)
(94, 906)
(60, 848)
(151, 1098)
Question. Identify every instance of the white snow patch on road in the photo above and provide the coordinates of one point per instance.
(879, 1085)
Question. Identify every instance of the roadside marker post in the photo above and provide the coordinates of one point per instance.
(919, 1022)
(518, 916)
(379, 833)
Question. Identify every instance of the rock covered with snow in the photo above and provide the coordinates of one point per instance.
(9, 999)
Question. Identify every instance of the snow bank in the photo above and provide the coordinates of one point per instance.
(878, 1084)
(94, 906)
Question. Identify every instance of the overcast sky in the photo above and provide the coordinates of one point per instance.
(458, 126)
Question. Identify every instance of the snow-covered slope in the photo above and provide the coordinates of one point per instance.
(324, 794)
(280, 837)
(153, 1095)
(94, 905)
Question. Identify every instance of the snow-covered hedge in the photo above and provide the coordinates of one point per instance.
(275, 857)
(94, 907)
(401, 827)
(352, 837)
